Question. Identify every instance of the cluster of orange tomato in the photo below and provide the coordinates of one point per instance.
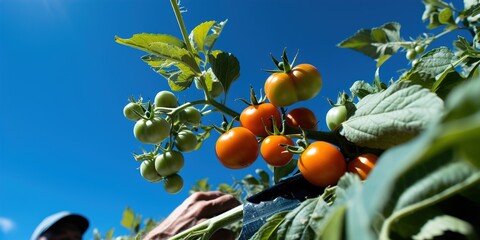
(321, 163)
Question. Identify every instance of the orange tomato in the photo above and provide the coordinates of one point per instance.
(237, 148)
(362, 164)
(322, 164)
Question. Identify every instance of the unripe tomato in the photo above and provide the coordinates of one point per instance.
(362, 164)
(303, 82)
(133, 111)
(303, 118)
(165, 99)
(173, 183)
(322, 164)
(169, 163)
(411, 54)
(237, 148)
(336, 116)
(186, 141)
(258, 117)
(147, 170)
(273, 153)
(419, 49)
(193, 115)
(151, 131)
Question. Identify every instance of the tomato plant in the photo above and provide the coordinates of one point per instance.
(336, 116)
(257, 118)
(273, 152)
(302, 117)
(322, 164)
(237, 148)
(362, 164)
(400, 119)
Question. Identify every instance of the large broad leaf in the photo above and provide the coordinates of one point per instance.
(226, 68)
(392, 117)
(431, 66)
(414, 168)
(269, 230)
(175, 54)
(378, 43)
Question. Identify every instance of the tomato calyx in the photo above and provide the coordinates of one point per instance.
(284, 66)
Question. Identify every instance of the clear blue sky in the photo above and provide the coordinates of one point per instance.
(64, 143)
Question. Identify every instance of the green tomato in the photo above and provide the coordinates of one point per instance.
(186, 141)
(165, 99)
(151, 131)
(173, 183)
(147, 170)
(420, 49)
(193, 115)
(133, 111)
(336, 116)
(169, 163)
(411, 54)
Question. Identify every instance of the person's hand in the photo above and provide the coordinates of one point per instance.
(198, 207)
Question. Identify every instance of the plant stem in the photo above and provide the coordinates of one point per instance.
(209, 227)
(181, 24)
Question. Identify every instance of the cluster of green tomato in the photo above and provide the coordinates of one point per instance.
(156, 123)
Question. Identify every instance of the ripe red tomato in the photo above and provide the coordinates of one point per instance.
(302, 117)
(237, 148)
(322, 164)
(362, 164)
(273, 153)
(256, 117)
(303, 82)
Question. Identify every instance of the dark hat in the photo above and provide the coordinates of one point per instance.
(61, 217)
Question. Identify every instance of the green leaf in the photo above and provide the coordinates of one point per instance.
(444, 85)
(128, 218)
(216, 30)
(392, 117)
(441, 224)
(226, 68)
(199, 34)
(401, 167)
(269, 230)
(179, 76)
(143, 41)
(109, 234)
(431, 66)
(175, 54)
(264, 177)
(335, 225)
(200, 38)
(377, 43)
(283, 171)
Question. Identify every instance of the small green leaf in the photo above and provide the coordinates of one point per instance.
(334, 227)
(264, 177)
(199, 34)
(283, 171)
(226, 68)
(109, 234)
(392, 117)
(441, 224)
(179, 76)
(216, 30)
(377, 43)
(128, 218)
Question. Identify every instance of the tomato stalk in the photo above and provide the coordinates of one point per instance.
(208, 227)
(181, 24)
